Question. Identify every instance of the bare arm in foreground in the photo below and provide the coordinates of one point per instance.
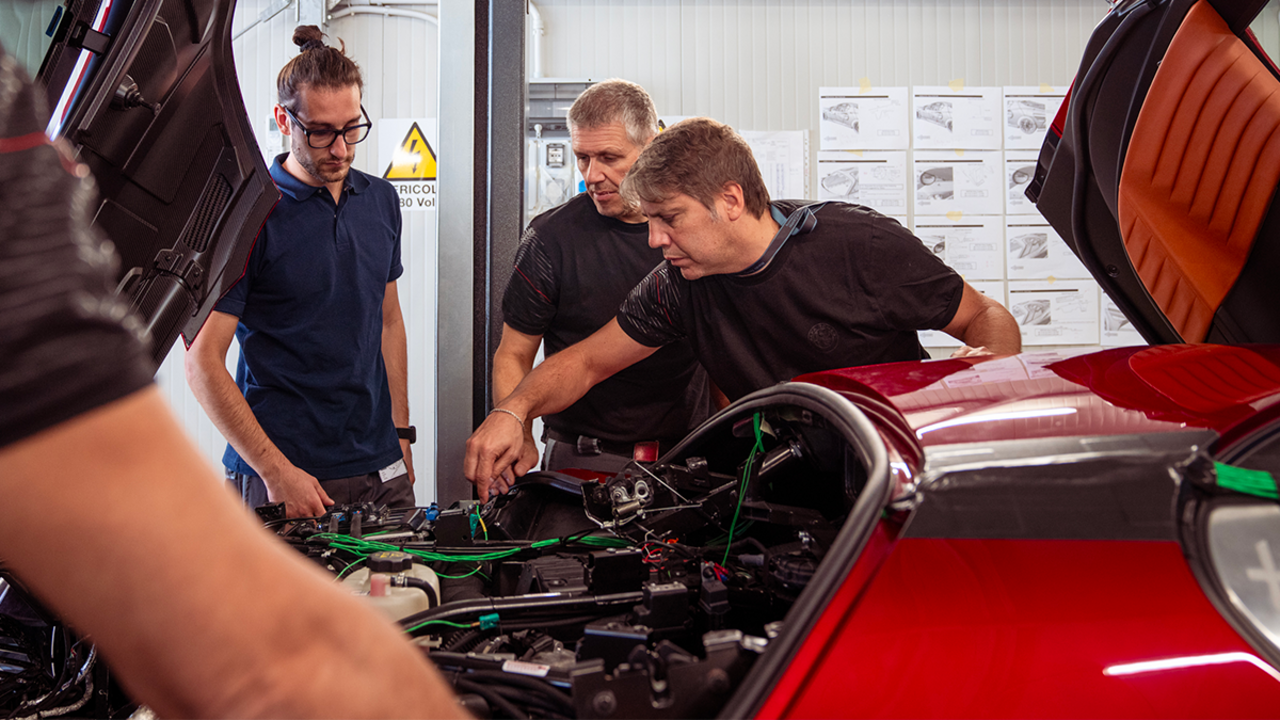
(200, 612)
(498, 444)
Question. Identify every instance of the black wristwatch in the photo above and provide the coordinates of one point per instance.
(408, 433)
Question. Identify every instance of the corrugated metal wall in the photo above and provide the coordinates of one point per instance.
(398, 56)
(755, 64)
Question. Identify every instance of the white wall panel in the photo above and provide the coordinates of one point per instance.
(398, 59)
(756, 64)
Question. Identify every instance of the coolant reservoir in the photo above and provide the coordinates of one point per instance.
(375, 582)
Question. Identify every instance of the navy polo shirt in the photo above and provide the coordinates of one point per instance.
(310, 332)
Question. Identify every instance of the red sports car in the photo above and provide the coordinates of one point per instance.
(1040, 535)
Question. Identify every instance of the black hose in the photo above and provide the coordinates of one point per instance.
(470, 609)
(536, 623)
(532, 703)
(463, 641)
(529, 683)
(753, 543)
(423, 585)
(491, 697)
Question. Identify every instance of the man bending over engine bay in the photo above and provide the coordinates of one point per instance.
(764, 291)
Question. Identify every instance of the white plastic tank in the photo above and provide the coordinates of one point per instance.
(375, 582)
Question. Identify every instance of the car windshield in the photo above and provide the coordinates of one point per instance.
(26, 29)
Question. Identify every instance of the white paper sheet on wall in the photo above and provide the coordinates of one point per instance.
(1019, 169)
(1117, 331)
(965, 181)
(1028, 111)
(1059, 312)
(783, 157)
(955, 116)
(939, 339)
(1036, 251)
(863, 118)
(875, 178)
(972, 245)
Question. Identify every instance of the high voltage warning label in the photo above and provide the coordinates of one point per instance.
(413, 158)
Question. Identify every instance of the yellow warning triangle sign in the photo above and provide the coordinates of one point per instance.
(413, 159)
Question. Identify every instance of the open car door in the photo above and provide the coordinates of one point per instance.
(1160, 171)
(146, 93)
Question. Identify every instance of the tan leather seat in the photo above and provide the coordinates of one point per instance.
(1200, 171)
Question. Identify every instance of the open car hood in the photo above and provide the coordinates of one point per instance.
(145, 91)
(1161, 167)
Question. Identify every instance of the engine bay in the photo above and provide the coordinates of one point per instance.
(650, 593)
(653, 593)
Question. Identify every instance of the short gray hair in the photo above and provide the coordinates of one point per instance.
(614, 101)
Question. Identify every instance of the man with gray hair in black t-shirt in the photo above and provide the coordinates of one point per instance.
(764, 291)
(575, 265)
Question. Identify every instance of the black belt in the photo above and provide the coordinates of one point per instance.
(594, 446)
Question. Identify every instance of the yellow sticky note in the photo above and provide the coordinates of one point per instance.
(1046, 88)
(955, 215)
(956, 85)
(959, 153)
(1051, 279)
(856, 152)
(864, 86)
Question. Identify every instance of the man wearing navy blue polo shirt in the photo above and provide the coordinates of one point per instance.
(318, 412)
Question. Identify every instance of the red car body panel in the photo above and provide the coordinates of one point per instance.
(1232, 390)
(995, 628)
(944, 627)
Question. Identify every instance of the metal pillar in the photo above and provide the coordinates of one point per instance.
(481, 196)
(312, 12)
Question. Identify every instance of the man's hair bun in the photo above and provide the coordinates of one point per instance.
(308, 37)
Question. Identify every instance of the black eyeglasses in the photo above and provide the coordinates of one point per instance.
(320, 139)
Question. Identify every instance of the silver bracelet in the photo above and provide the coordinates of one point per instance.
(508, 412)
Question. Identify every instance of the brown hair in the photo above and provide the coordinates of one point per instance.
(613, 101)
(697, 157)
(316, 65)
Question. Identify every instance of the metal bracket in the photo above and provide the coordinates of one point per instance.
(267, 13)
(85, 37)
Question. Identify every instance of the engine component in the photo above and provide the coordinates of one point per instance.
(395, 584)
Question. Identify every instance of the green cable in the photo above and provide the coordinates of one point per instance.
(742, 490)
(363, 548)
(441, 622)
(459, 577)
(1259, 483)
(350, 565)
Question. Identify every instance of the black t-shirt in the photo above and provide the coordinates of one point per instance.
(572, 271)
(66, 345)
(852, 291)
